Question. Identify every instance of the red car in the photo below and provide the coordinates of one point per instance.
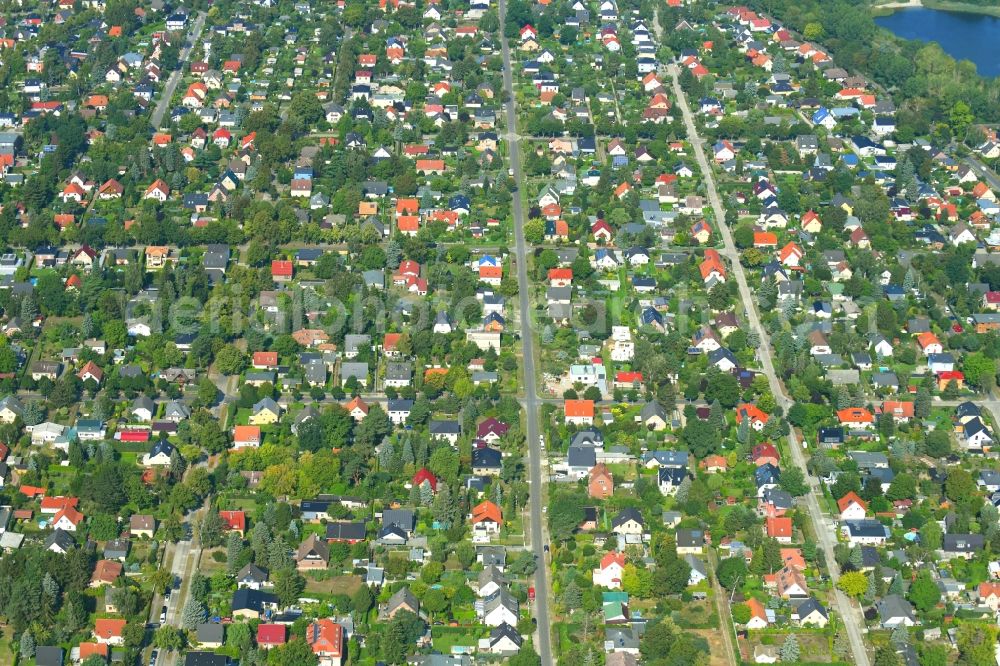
(957, 328)
(531, 594)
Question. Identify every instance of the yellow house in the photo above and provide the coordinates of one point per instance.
(10, 409)
(811, 223)
(156, 256)
(701, 232)
(529, 45)
(265, 412)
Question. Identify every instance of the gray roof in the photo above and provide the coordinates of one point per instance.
(444, 427)
(625, 515)
(345, 530)
(501, 598)
(374, 278)
(354, 341)
(621, 638)
(688, 538)
(359, 370)
(316, 371)
(144, 402)
(696, 564)
(486, 457)
(778, 498)
(399, 371)
(210, 632)
(502, 631)
(962, 543)
(666, 458)
(216, 256)
(651, 409)
(491, 574)
(579, 456)
(403, 597)
(403, 518)
(252, 572)
(869, 459)
(810, 605)
(178, 409)
(60, 538)
(267, 403)
(117, 548)
(894, 606)
(867, 527)
(12, 403)
(48, 655)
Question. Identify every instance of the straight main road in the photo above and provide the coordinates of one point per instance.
(542, 640)
(175, 76)
(823, 526)
(984, 171)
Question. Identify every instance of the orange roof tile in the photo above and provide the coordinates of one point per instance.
(487, 511)
(579, 408)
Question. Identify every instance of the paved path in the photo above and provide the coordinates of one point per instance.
(185, 54)
(724, 612)
(542, 639)
(186, 559)
(824, 527)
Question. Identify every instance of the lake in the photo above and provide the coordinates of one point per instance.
(963, 36)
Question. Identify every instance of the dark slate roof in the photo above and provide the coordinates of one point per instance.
(345, 531)
(486, 457)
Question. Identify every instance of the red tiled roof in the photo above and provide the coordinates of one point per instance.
(281, 268)
(271, 634)
(108, 628)
(234, 520)
(487, 511)
(851, 498)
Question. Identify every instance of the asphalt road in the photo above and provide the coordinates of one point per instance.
(185, 556)
(542, 640)
(175, 77)
(824, 527)
(984, 172)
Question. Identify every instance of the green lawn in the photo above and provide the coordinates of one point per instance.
(444, 638)
(243, 504)
(336, 585)
(6, 653)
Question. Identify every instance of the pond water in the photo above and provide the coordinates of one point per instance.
(963, 36)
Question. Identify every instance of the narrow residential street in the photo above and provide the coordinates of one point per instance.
(193, 35)
(724, 611)
(823, 527)
(535, 483)
(186, 559)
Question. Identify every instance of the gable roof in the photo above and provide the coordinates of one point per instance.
(851, 498)
(487, 511)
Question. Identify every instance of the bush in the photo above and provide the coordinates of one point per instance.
(219, 556)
